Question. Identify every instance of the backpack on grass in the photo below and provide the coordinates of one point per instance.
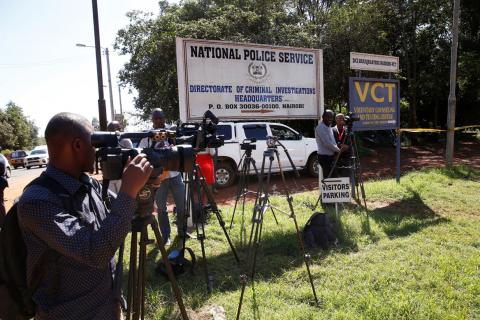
(15, 293)
(319, 231)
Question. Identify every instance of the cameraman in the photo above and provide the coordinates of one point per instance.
(71, 237)
(326, 145)
(173, 182)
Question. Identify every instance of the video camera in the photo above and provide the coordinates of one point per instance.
(200, 135)
(350, 119)
(113, 158)
(248, 144)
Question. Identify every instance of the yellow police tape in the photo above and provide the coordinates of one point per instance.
(433, 130)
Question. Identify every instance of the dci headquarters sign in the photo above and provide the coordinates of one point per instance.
(248, 81)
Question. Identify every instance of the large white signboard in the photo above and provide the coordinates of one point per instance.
(248, 81)
(336, 190)
(373, 62)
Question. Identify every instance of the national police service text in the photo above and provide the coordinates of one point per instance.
(250, 54)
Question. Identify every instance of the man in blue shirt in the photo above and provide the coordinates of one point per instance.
(78, 282)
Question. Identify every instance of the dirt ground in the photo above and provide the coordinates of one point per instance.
(380, 165)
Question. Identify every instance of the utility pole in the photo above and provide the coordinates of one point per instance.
(452, 100)
(112, 109)
(102, 112)
(120, 99)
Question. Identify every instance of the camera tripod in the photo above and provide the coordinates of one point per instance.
(262, 204)
(246, 162)
(353, 166)
(195, 188)
(136, 275)
(135, 304)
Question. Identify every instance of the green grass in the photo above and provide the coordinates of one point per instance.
(417, 256)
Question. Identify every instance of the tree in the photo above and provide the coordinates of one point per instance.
(151, 42)
(17, 131)
(417, 31)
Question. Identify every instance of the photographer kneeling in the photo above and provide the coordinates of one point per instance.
(71, 237)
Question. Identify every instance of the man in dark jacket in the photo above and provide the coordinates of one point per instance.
(78, 283)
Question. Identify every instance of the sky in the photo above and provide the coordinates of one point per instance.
(41, 68)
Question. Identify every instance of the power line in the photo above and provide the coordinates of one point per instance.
(44, 62)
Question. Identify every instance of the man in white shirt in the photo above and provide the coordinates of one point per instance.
(326, 145)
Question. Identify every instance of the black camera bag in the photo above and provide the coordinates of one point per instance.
(319, 231)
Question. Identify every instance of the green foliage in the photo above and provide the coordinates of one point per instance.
(418, 31)
(16, 130)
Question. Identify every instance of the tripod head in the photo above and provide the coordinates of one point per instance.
(272, 143)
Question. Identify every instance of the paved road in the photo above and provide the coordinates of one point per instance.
(20, 178)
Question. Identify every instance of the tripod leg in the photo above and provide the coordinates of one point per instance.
(171, 276)
(306, 257)
(256, 233)
(243, 281)
(274, 216)
(240, 189)
(258, 236)
(214, 207)
(132, 272)
(141, 271)
(200, 225)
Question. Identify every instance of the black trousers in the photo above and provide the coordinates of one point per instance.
(326, 162)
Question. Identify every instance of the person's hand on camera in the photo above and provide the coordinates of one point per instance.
(135, 175)
(343, 148)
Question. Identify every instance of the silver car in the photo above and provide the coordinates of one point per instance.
(38, 157)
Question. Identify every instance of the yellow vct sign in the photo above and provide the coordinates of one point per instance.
(376, 90)
(375, 102)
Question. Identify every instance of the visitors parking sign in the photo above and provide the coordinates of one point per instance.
(336, 190)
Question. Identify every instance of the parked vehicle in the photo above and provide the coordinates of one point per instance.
(8, 169)
(38, 157)
(17, 158)
(302, 150)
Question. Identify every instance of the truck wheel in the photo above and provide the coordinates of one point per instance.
(312, 166)
(225, 175)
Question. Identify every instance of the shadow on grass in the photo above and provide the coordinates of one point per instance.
(402, 218)
(279, 252)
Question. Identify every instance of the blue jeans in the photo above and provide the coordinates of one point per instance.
(177, 187)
